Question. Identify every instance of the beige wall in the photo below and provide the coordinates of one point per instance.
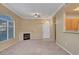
(5, 11)
(23, 25)
(33, 26)
(69, 41)
(52, 29)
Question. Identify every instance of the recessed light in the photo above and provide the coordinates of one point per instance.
(76, 9)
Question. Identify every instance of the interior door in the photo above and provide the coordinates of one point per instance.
(46, 30)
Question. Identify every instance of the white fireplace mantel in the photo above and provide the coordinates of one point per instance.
(21, 35)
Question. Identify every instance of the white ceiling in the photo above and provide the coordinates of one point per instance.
(25, 10)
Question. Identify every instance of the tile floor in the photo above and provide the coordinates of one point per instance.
(34, 47)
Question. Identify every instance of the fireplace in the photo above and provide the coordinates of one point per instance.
(26, 36)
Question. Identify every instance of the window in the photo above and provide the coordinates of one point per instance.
(6, 28)
(3, 30)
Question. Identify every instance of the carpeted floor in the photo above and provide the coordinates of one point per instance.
(34, 47)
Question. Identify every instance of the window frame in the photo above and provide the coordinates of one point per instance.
(7, 21)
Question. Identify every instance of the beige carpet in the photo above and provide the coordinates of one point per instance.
(34, 47)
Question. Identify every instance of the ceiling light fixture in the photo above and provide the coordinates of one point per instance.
(36, 15)
(76, 9)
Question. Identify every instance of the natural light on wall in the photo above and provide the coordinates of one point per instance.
(47, 22)
(76, 9)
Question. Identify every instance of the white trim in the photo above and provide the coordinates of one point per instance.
(11, 10)
(6, 41)
(7, 31)
(14, 29)
(46, 29)
(21, 35)
(36, 38)
(35, 18)
(8, 26)
(64, 22)
(57, 10)
(64, 48)
(18, 13)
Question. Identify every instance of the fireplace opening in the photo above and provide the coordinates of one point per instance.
(26, 36)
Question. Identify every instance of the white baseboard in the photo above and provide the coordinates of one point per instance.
(7, 46)
(48, 39)
(64, 48)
